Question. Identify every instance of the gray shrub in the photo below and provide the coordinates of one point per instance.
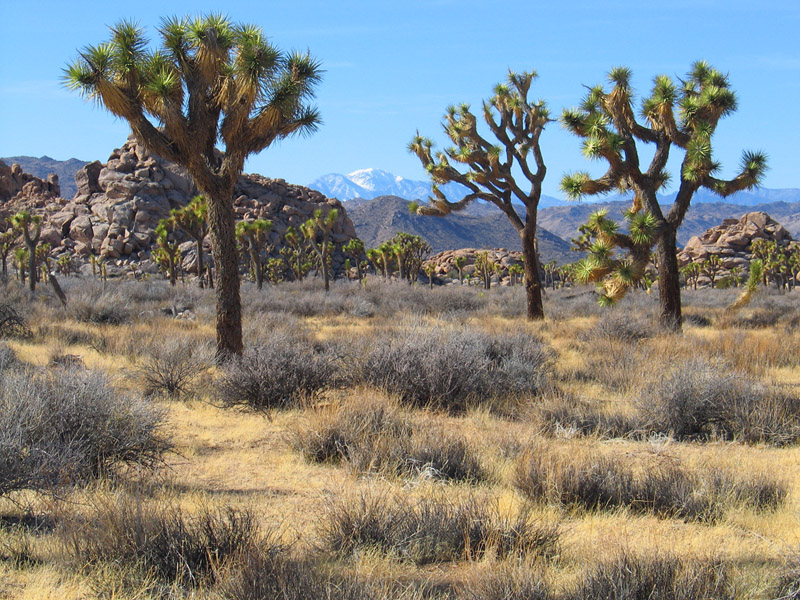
(69, 426)
(454, 369)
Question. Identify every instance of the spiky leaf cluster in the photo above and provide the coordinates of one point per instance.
(210, 80)
(616, 261)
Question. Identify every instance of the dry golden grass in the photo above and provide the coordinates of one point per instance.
(228, 457)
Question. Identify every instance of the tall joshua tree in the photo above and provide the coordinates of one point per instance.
(491, 169)
(253, 236)
(193, 219)
(212, 80)
(683, 117)
(31, 228)
(320, 226)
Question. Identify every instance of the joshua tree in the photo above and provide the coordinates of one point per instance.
(460, 262)
(492, 171)
(386, 251)
(409, 252)
(294, 253)
(253, 236)
(20, 258)
(7, 240)
(355, 250)
(430, 272)
(193, 219)
(485, 267)
(31, 228)
(683, 117)
(515, 272)
(211, 81)
(711, 268)
(691, 273)
(376, 258)
(166, 253)
(322, 225)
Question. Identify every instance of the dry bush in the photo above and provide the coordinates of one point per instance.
(171, 367)
(12, 323)
(281, 371)
(655, 577)
(68, 426)
(505, 581)
(621, 325)
(378, 437)
(701, 400)
(93, 305)
(431, 530)
(270, 574)
(160, 539)
(455, 369)
(564, 415)
(666, 490)
(8, 359)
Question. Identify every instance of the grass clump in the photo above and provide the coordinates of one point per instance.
(381, 438)
(666, 490)
(455, 369)
(431, 530)
(655, 577)
(160, 539)
(700, 401)
(68, 426)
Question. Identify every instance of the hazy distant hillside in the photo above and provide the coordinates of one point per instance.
(44, 165)
(379, 219)
(563, 221)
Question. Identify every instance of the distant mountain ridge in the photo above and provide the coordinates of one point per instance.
(378, 219)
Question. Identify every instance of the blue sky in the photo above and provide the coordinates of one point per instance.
(393, 68)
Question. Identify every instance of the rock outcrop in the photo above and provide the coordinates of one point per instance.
(731, 241)
(119, 204)
(19, 186)
(445, 267)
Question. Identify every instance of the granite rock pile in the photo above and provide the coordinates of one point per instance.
(119, 204)
(732, 240)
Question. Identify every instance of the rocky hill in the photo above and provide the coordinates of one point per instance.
(44, 165)
(118, 204)
(732, 241)
(379, 219)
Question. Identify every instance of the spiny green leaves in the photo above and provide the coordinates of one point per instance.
(574, 185)
(642, 227)
(754, 164)
(620, 76)
(129, 44)
(213, 32)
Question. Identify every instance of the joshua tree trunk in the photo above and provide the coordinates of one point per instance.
(669, 290)
(31, 261)
(201, 272)
(229, 306)
(533, 287)
(324, 262)
(255, 261)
